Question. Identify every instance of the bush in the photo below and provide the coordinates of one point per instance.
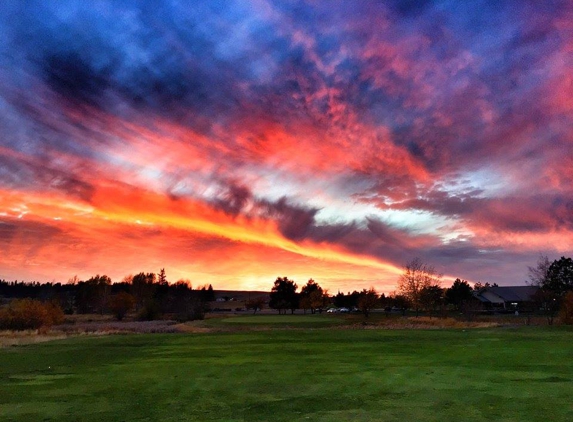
(121, 303)
(149, 311)
(28, 314)
(55, 313)
(194, 311)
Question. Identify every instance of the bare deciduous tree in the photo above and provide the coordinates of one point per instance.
(538, 275)
(417, 276)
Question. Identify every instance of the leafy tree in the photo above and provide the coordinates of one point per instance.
(560, 276)
(546, 299)
(256, 304)
(304, 303)
(149, 311)
(283, 295)
(400, 302)
(459, 293)
(185, 303)
(184, 281)
(120, 304)
(319, 300)
(478, 286)
(143, 288)
(368, 300)
(312, 296)
(347, 301)
(555, 281)
(431, 297)
(416, 276)
(93, 294)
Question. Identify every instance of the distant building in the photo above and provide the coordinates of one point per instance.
(508, 298)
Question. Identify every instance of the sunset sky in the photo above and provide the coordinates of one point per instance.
(232, 142)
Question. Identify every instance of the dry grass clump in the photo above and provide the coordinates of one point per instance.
(20, 338)
(191, 328)
(101, 328)
(425, 323)
(112, 327)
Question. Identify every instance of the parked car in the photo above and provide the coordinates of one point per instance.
(331, 311)
(344, 310)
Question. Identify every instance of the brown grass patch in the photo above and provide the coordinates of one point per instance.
(21, 338)
(423, 323)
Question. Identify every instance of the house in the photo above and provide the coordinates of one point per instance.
(508, 298)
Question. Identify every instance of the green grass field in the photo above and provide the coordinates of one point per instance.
(328, 374)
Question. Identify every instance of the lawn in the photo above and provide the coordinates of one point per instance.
(326, 374)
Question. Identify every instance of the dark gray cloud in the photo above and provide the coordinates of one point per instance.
(42, 176)
(30, 233)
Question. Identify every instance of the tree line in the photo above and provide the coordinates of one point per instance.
(150, 295)
(419, 289)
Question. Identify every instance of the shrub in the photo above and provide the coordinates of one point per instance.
(149, 311)
(55, 313)
(121, 303)
(191, 311)
(28, 314)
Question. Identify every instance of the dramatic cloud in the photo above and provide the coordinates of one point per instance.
(235, 141)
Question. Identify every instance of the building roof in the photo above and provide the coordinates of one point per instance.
(507, 294)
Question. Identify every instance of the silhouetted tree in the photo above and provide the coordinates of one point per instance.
(210, 294)
(459, 293)
(537, 276)
(470, 308)
(161, 291)
(283, 295)
(312, 296)
(400, 302)
(368, 300)
(142, 288)
(349, 300)
(547, 302)
(92, 294)
(185, 303)
(120, 304)
(479, 286)
(256, 304)
(432, 298)
(559, 276)
(161, 277)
